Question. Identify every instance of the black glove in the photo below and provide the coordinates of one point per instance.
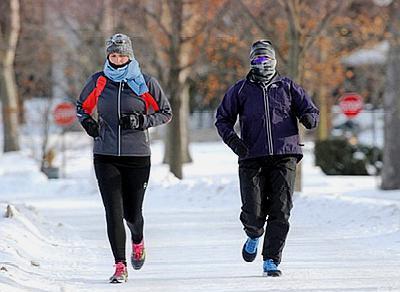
(132, 121)
(308, 121)
(238, 146)
(91, 127)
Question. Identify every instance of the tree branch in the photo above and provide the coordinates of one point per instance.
(261, 27)
(207, 24)
(155, 61)
(72, 27)
(208, 28)
(157, 19)
(196, 34)
(323, 24)
(292, 8)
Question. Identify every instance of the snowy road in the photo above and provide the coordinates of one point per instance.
(345, 233)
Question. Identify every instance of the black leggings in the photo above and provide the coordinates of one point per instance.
(122, 182)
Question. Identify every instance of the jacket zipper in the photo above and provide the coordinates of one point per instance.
(119, 117)
(268, 119)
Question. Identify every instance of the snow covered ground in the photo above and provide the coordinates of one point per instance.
(345, 233)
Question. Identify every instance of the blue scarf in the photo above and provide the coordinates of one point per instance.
(130, 73)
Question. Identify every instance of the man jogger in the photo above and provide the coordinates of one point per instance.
(269, 107)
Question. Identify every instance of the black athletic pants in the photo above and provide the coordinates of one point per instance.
(122, 182)
(266, 186)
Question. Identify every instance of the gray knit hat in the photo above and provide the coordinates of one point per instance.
(121, 44)
(262, 48)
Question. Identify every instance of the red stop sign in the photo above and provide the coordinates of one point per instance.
(64, 114)
(351, 104)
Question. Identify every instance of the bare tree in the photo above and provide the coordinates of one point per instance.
(9, 33)
(32, 66)
(182, 32)
(108, 18)
(391, 154)
(79, 41)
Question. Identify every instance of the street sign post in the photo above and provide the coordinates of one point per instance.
(64, 115)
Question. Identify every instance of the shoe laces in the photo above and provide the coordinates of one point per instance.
(270, 265)
(138, 250)
(251, 245)
(119, 269)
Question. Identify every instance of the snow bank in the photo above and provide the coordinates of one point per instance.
(22, 247)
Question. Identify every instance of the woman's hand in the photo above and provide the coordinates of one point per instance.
(91, 127)
(132, 121)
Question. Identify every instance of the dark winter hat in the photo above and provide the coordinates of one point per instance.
(262, 48)
(121, 44)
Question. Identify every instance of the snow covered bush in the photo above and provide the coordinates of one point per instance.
(337, 156)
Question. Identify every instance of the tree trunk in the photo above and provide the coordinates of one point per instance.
(7, 76)
(174, 137)
(9, 110)
(177, 141)
(186, 158)
(325, 116)
(294, 39)
(323, 103)
(293, 67)
(183, 114)
(294, 64)
(175, 89)
(108, 18)
(391, 153)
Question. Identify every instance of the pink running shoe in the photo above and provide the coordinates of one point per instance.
(138, 255)
(121, 273)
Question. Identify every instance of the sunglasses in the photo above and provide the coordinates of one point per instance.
(261, 60)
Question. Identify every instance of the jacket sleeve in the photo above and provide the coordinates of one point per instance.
(86, 101)
(303, 105)
(164, 114)
(227, 113)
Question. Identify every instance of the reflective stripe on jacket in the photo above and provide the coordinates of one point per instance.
(114, 99)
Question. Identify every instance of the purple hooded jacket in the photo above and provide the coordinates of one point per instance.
(268, 116)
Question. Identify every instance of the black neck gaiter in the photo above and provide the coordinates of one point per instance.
(115, 66)
(258, 78)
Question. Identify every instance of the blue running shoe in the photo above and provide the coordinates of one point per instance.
(249, 251)
(271, 269)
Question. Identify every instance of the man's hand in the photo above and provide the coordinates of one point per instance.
(308, 121)
(238, 146)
